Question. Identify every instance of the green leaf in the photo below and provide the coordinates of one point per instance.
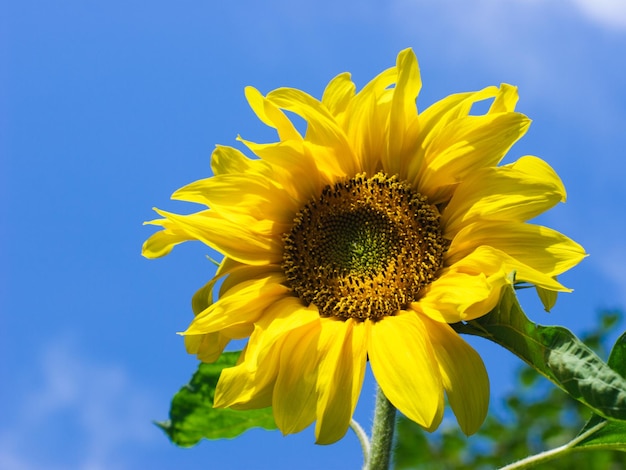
(613, 434)
(192, 416)
(555, 353)
(617, 358)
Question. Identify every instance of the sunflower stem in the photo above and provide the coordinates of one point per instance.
(542, 457)
(382, 433)
(363, 439)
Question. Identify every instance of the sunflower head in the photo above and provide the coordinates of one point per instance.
(365, 238)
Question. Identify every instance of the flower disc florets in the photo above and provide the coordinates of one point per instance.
(364, 248)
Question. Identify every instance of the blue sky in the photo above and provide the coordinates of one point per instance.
(107, 107)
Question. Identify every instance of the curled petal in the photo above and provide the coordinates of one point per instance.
(506, 99)
(228, 160)
(460, 296)
(161, 243)
(243, 239)
(338, 93)
(243, 304)
(438, 116)
(322, 129)
(250, 195)
(208, 347)
(465, 146)
(293, 168)
(271, 115)
(466, 290)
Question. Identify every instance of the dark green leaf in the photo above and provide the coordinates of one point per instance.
(556, 353)
(617, 358)
(192, 416)
(613, 434)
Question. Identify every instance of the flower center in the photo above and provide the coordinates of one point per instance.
(364, 249)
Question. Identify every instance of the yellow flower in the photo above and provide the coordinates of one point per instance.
(364, 239)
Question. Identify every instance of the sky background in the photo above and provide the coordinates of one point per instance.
(106, 108)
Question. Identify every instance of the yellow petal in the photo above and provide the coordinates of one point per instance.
(526, 273)
(295, 396)
(328, 161)
(465, 146)
(464, 376)
(250, 384)
(515, 192)
(490, 258)
(271, 115)
(251, 195)
(540, 248)
(161, 243)
(547, 297)
(208, 348)
(247, 386)
(293, 167)
(203, 297)
(403, 115)
(239, 331)
(279, 320)
(242, 304)
(458, 296)
(342, 347)
(225, 160)
(243, 273)
(338, 94)
(506, 99)
(322, 129)
(245, 239)
(365, 121)
(466, 290)
(406, 369)
(436, 118)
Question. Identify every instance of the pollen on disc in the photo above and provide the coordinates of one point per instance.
(364, 248)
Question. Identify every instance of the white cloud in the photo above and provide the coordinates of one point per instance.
(98, 402)
(610, 13)
(535, 44)
(605, 13)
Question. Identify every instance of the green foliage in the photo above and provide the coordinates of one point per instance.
(613, 434)
(538, 417)
(555, 353)
(192, 416)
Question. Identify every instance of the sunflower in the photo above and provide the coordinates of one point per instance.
(363, 239)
